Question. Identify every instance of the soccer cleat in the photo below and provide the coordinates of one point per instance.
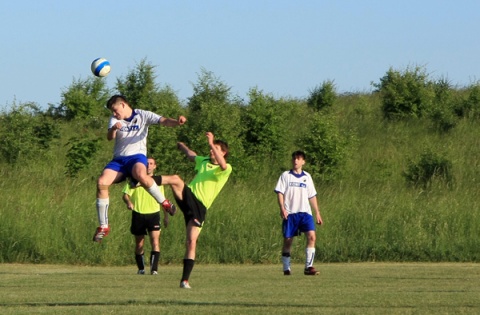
(184, 285)
(154, 273)
(100, 233)
(287, 272)
(141, 272)
(169, 207)
(310, 271)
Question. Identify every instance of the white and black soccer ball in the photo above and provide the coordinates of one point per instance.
(100, 67)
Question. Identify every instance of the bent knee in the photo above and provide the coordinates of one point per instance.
(174, 179)
(101, 185)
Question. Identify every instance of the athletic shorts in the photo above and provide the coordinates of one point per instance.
(296, 223)
(124, 164)
(141, 223)
(192, 208)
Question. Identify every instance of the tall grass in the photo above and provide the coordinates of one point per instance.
(370, 214)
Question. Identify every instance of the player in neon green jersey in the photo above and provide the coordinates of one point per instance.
(195, 198)
(145, 219)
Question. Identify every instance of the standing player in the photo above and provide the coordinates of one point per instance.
(195, 198)
(145, 218)
(296, 196)
(129, 128)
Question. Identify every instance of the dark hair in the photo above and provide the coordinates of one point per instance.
(115, 99)
(298, 154)
(223, 145)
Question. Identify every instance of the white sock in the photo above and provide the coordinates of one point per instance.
(286, 262)
(102, 211)
(310, 256)
(154, 190)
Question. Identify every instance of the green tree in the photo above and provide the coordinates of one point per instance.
(405, 94)
(26, 133)
(139, 86)
(327, 149)
(83, 98)
(469, 107)
(80, 154)
(442, 113)
(213, 108)
(322, 96)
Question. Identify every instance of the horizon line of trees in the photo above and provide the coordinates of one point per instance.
(261, 131)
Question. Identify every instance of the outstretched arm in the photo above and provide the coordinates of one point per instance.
(187, 151)
(170, 122)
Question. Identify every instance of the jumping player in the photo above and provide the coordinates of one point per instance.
(129, 128)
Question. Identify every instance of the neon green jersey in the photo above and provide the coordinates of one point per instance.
(142, 201)
(209, 181)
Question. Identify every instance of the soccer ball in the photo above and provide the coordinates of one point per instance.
(100, 67)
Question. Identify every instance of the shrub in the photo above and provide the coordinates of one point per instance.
(428, 167)
(139, 86)
(212, 107)
(326, 148)
(80, 154)
(405, 94)
(442, 114)
(322, 96)
(470, 106)
(83, 98)
(26, 133)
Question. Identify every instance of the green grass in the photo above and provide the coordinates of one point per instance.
(355, 288)
(370, 213)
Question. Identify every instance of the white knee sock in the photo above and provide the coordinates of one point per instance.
(102, 211)
(310, 256)
(155, 192)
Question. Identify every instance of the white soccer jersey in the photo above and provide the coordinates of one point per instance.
(297, 189)
(132, 137)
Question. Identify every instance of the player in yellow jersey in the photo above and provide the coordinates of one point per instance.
(145, 219)
(195, 198)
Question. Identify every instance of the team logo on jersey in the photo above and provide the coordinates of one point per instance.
(295, 184)
(130, 128)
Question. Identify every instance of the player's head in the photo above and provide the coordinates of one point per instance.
(298, 160)
(119, 107)
(117, 99)
(223, 146)
(298, 154)
(151, 165)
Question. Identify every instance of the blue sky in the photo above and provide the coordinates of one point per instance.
(284, 48)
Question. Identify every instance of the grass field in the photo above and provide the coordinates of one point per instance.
(356, 288)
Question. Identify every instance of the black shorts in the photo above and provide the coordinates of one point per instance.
(141, 223)
(192, 208)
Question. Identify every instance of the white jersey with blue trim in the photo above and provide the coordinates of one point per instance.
(132, 137)
(297, 189)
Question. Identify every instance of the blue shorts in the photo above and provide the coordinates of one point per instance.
(124, 164)
(297, 222)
